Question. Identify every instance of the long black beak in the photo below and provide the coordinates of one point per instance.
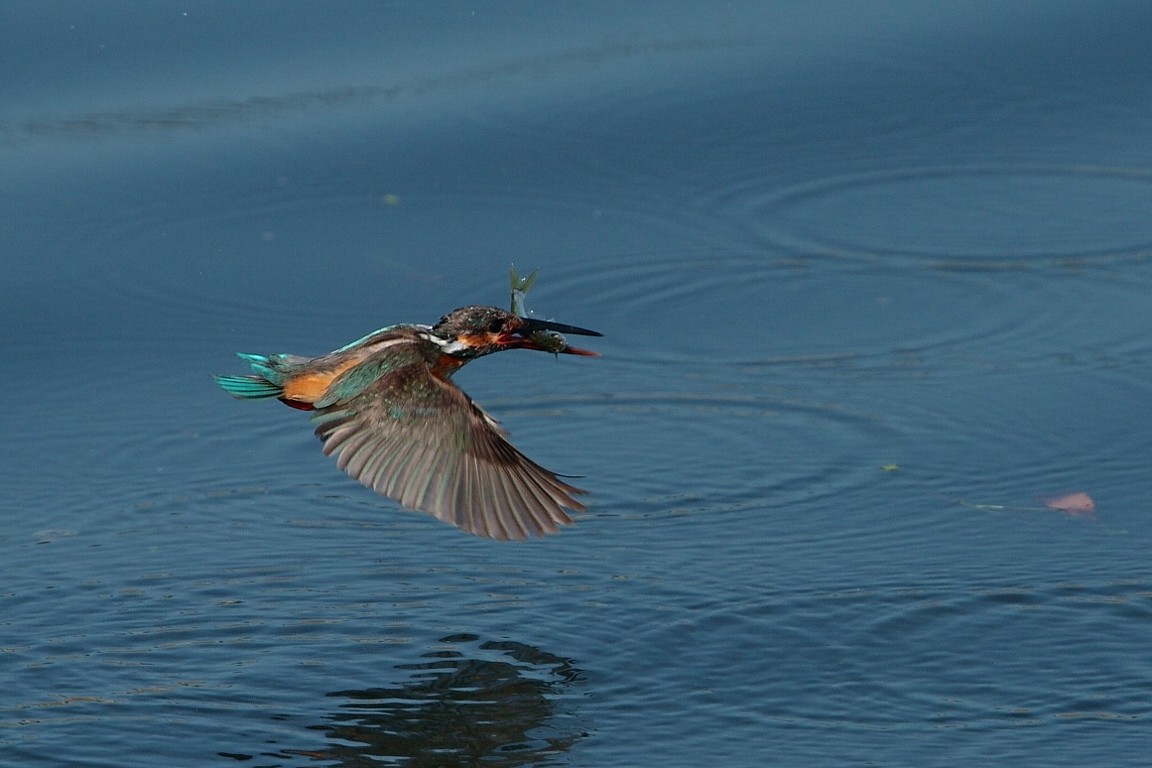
(532, 324)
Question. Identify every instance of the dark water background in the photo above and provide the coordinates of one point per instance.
(855, 263)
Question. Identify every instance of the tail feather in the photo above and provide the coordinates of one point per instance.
(265, 366)
(270, 372)
(249, 387)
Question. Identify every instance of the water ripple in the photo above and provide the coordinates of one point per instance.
(969, 217)
(867, 659)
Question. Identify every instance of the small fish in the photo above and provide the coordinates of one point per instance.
(547, 340)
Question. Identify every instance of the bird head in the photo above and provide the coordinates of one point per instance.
(471, 332)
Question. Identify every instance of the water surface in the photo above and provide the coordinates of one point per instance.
(873, 280)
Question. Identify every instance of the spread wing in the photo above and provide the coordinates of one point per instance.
(420, 440)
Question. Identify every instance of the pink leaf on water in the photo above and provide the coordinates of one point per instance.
(1076, 504)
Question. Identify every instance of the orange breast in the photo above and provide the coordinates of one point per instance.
(307, 387)
(310, 386)
(445, 366)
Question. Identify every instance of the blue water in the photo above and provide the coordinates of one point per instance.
(874, 281)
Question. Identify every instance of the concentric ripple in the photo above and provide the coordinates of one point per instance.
(965, 217)
(701, 456)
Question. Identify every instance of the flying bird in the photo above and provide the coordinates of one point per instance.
(386, 407)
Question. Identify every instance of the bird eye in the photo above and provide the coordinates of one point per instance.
(495, 326)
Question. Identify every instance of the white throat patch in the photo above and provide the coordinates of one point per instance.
(447, 346)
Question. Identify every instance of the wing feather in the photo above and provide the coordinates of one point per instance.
(422, 441)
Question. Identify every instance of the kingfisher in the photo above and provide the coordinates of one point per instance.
(386, 407)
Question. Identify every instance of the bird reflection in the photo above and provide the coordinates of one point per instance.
(494, 704)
